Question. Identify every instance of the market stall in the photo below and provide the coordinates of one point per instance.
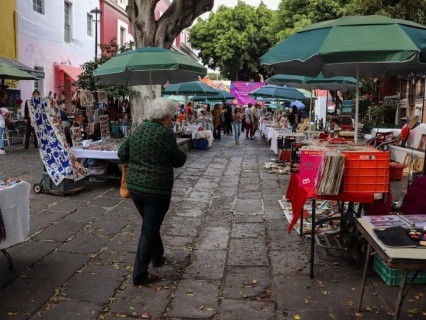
(14, 214)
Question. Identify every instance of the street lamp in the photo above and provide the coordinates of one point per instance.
(96, 11)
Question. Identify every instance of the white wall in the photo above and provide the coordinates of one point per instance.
(41, 39)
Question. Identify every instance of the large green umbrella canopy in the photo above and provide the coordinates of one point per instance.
(12, 73)
(190, 88)
(352, 46)
(318, 82)
(369, 44)
(277, 92)
(219, 96)
(148, 66)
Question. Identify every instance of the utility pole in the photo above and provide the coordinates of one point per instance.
(96, 11)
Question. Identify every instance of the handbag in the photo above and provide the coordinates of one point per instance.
(124, 192)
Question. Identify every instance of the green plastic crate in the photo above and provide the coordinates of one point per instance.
(393, 277)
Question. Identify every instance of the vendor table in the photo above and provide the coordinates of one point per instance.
(394, 257)
(298, 196)
(15, 211)
(112, 156)
(275, 133)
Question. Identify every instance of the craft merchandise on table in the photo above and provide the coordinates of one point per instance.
(101, 149)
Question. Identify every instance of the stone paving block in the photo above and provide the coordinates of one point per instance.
(182, 226)
(84, 243)
(225, 203)
(247, 252)
(180, 241)
(206, 264)
(253, 189)
(306, 314)
(105, 202)
(248, 230)
(291, 263)
(86, 214)
(24, 255)
(69, 310)
(279, 224)
(125, 241)
(26, 296)
(113, 262)
(281, 240)
(112, 193)
(246, 310)
(59, 232)
(374, 314)
(246, 282)
(138, 302)
(295, 293)
(224, 221)
(92, 286)
(65, 205)
(248, 218)
(108, 225)
(214, 238)
(57, 266)
(195, 299)
(220, 215)
(190, 212)
(248, 206)
(44, 219)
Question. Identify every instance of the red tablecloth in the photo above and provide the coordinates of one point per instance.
(298, 196)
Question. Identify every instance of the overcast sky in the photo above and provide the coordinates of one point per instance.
(271, 4)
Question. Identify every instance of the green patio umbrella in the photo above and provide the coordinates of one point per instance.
(277, 92)
(352, 46)
(190, 88)
(339, 83)
(12, 73)
(148, 66)
(219, 96)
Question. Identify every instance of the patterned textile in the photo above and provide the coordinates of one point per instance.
(152, 153)
(54, 150)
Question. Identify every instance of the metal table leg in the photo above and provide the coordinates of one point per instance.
(8, 257)
(364, 276)
(311, 273)
(301, 224)
(401, 295)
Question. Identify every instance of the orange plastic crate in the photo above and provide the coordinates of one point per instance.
(366, 171)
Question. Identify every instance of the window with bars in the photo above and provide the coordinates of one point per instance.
(89, 25)
(67, 22)
(38, 6)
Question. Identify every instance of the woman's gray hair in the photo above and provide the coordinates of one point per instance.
(161, 108)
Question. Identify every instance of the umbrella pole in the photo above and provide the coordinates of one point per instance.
(356, 104)
(310, 115)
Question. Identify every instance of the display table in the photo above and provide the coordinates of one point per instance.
(394, 257)
(298, 196)
(275, 133)
(15, 210)
(205, 134)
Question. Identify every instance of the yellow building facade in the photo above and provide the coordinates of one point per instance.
(9, 29)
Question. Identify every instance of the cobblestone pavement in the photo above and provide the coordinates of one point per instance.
(229, 254)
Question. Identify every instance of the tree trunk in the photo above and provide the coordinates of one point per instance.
(151, 32)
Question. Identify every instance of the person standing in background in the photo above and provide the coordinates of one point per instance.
(249, 122)
(255, 114)
(237, 119)
(4, 114)
(217, 121)
(227, 127)
(28, 126)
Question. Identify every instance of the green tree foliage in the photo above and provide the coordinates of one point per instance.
(233, 39)
(86, 79)
(293, 15)
(413, 10)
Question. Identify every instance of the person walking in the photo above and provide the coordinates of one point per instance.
(29, 129)
(152, 153)
(4, 114)
(227, 127)
(237, 119)
(249, 122)
(293, 119)
(217, 121)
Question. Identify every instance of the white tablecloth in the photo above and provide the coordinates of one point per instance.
(94, 154)
(15, 210)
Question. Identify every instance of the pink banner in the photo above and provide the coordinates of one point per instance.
(240, 90)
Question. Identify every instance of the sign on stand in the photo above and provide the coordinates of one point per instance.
(104, 126)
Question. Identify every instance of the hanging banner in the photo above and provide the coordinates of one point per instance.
(240, 90)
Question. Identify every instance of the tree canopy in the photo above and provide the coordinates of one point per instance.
(86, 79)
(233, 39)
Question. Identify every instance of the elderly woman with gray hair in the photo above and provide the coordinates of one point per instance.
(152, 153)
